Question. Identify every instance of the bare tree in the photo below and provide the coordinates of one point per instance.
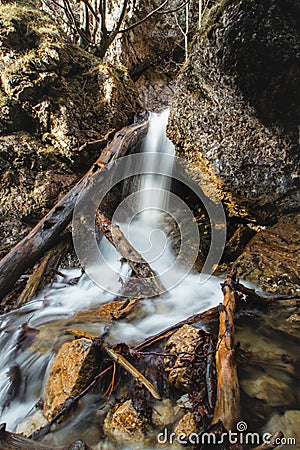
(90, 22)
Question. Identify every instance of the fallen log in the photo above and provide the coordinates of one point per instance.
(44, 235)
(227, 408)
(44, 272)
(149, 283)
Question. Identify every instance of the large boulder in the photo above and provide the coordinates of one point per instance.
(235, 112)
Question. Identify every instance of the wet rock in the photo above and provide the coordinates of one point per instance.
(71, 371)
(288, 423)
(183, 342)
(273, 391)
(235, 112)
(236, 244)
(31, 423)
(124, 424)
(164, 414)
(186, 426)
(271, 258)
(112, 310)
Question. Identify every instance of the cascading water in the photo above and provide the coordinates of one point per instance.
(27, 354)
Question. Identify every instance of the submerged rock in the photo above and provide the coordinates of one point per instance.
(288, 423)
(31, 424)
(107, 312)
(272, 259)
(72, 369)
(273, 391)
(124, 424)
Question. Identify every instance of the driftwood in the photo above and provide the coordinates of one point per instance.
(44, 235)
(149, 283)
(227, 408)
(12, 441)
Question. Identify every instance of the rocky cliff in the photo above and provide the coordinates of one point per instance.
(235, 112)
(54, 97)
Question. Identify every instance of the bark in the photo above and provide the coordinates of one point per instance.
(44, 235)
(150, 284)
(227, 408)
(43, 272)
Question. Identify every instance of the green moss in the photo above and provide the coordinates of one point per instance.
(213, 20)
(27, 17)
(4, 99)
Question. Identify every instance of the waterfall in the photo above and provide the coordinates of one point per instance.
(53, 310)
(154, 188)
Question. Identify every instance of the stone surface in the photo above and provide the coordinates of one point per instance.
(271, 259)
(273, 391)
(288, 423)
(164, 414)
(184, 340)
(186, 426)
(72, 369)
(123, 424)
(236, 108)
(107, 312)
(31, 423)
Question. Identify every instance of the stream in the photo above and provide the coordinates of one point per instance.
(31, 336)
(26, 360)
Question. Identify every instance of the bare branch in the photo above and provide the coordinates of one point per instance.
(144, 18)
(92, 10)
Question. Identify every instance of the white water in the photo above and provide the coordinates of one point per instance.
(51, 312)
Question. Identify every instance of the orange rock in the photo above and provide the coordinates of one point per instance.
(71, 371)
(183, 341)
(113, 310)
(124, 424)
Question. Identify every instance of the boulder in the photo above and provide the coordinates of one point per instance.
(54, 97)
(274, 392)
(71, 371)
(236, 111)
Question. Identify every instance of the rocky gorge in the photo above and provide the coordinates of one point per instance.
(233, 95)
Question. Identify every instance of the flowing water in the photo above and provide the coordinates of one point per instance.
(26, 356)
(24, 364)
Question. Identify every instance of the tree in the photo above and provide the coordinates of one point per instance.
(93, 27)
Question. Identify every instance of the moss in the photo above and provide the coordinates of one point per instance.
(214, 16)
(24, 25)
